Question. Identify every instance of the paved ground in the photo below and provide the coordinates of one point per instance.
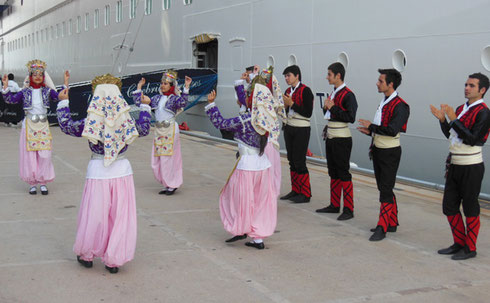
(181, 255)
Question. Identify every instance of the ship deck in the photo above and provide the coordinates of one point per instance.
(181, 255)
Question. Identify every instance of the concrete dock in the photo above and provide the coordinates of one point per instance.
(181, 255)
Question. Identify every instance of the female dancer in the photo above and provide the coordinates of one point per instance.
(107, 216)
(35, 138)
(166, 157)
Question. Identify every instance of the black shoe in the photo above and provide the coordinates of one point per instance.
(451, 250)
(236, 238)
(33, 190)
(289, 195)
(44, 190)
(300, 198)
(346, 215)
(379, 234)
(112, 270)
(87, 264)
(464, 254)
(171, 192)
(163, 192)
(256, 245)
(390, 229)
(329, 210)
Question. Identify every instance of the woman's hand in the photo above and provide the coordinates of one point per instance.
(212, 96)
(141, 83)
(188, 81)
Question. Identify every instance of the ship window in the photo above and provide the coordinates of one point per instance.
(79, 24)
(132, 9)
(485, 58)
(344, 59)
(96, 19)
(70, 27)
(47, 34)
(399, 60)
(63, 29)
(187, 2)
(52, 32)
(87, 20)
(270, 61)
(107, 15)
(166, 4)
(148, 6)
(119, 11)
(42, 35)
(58, 31)
(292, 60)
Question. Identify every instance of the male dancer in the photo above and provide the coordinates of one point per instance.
(340, 109)
(390, 119)
(298, 101)
(467, 131)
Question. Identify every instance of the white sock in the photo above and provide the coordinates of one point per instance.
(258, 240)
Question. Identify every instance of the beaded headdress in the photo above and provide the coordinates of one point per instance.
(36, 65)
(106, 79)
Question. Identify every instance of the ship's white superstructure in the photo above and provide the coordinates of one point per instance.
(436, 44)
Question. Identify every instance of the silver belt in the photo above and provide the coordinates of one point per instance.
(101, 157)
(37, 118)
(164, 123)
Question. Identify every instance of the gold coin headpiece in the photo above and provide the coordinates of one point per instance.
(106, 79)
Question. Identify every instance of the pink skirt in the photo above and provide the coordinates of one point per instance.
(248, 204)
(35, 166)
(275, 158)
(168, 169)
(107, 221)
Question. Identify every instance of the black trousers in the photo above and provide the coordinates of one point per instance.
(385, 163)
(297, 140)
(463, 184)
(338, 158)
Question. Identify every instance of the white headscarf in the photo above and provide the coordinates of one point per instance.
(108, 121)
(47, 81)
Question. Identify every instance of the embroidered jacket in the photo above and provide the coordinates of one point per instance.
(303, 100)
(174, 103)
(241, 126)
(75, 128)
(25, 96)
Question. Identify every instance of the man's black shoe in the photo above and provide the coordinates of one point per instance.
(464, 254)
(346, 215)
(112, 270)
(390, 229)
(300, 198)
(451, 250)
(236, 238)
(289, 195)
(329, 210)
(256, 245)
(379, 234)
(162, 192)
(87, 264)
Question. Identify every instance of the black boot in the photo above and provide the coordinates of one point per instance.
(290, 195)
(464, 254)
(378, 235)
(87, 264)
(236, 238)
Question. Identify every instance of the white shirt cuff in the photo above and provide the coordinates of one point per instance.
(63, 103)
(186, 90)
(5, 90)
(145, 107)
(239, 82)
(209, 106)
(136, 91)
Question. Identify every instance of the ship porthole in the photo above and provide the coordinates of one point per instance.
(344, 59)
(399, 60)
(292, 60)
(270, 61)
(485, 58)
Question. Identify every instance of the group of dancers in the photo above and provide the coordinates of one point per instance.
(248, 200)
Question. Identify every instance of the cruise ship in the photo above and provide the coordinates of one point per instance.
(435, 44)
